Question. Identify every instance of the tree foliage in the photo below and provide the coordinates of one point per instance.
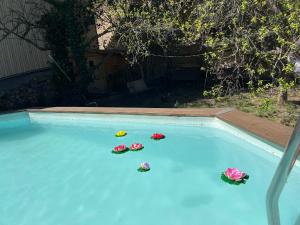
(143, 28)
(236, 39)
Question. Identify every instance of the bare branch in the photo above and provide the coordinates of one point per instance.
(19, 22)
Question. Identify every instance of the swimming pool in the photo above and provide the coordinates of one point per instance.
(58, 169)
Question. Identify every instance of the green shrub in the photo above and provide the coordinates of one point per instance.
(215, 92)
(289, 118)
(266, 108)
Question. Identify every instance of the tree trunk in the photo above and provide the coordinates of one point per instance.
(282, 97)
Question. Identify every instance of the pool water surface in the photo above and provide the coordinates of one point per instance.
(58, 169)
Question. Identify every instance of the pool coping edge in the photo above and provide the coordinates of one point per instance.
(273, 132)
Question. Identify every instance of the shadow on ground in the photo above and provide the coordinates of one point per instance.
(170, 97)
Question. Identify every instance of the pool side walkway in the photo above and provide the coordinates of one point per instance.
(271, 131)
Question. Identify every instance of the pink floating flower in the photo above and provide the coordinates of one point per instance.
(120, 148)
(158, 136)
(136, 147)
(234, 174)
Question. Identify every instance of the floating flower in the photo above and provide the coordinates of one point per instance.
(121, 133)
(144, 167)
(136, 147)
(120, 149)
(234, 176)
(157, 136)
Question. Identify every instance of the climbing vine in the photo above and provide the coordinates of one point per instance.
(64, 30)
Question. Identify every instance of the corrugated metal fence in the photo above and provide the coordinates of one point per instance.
(17, 56)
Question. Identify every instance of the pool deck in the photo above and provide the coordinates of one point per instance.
(271, 131)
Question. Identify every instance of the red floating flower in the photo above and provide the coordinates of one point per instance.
(120, 149)
(157, 136)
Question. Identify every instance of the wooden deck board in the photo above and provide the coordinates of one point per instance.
(269, 130)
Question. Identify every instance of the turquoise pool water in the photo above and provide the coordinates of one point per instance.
(58, 169)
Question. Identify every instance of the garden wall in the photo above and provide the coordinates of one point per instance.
(25, 90)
